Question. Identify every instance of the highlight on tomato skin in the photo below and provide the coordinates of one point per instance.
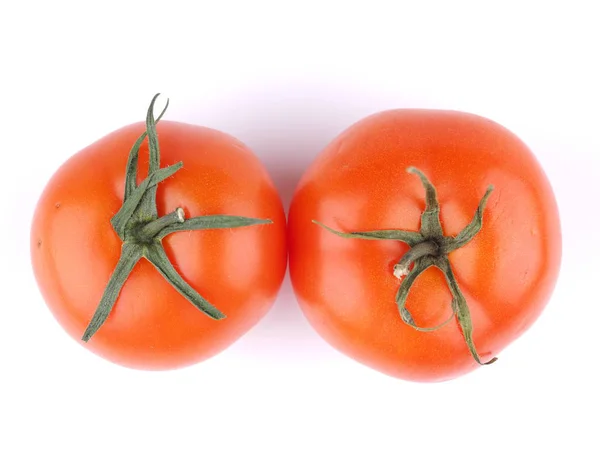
(423, 242)
(160, 244)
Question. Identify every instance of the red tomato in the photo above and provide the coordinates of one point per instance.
(238, 271)
(501, 279)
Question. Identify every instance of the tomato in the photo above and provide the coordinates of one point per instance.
(214, 279)
(473, 291)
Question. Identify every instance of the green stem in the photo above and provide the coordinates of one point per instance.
(150, 230)
(425, 248)
(132, 162)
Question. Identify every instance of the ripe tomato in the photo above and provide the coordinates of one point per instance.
(238, 271)
(491, 287)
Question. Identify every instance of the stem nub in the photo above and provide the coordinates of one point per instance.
(150, 230)
(425, 248)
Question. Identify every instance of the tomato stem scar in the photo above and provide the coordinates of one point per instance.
(141, 229)
(430, 248)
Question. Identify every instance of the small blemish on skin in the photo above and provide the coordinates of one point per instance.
(57, 205)
(39, 243)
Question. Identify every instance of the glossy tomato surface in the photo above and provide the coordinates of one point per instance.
(75, 250)
(346, 287)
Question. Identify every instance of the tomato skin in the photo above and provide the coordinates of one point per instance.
(346, 287)
(74, 249)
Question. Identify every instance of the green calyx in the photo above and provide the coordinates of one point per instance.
(430, 248)
(141, 229)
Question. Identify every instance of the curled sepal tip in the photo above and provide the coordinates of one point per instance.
(430, 217)
(461, 309)
(473, 228)
(420, 266)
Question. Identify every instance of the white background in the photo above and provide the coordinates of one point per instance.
(285, 78)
